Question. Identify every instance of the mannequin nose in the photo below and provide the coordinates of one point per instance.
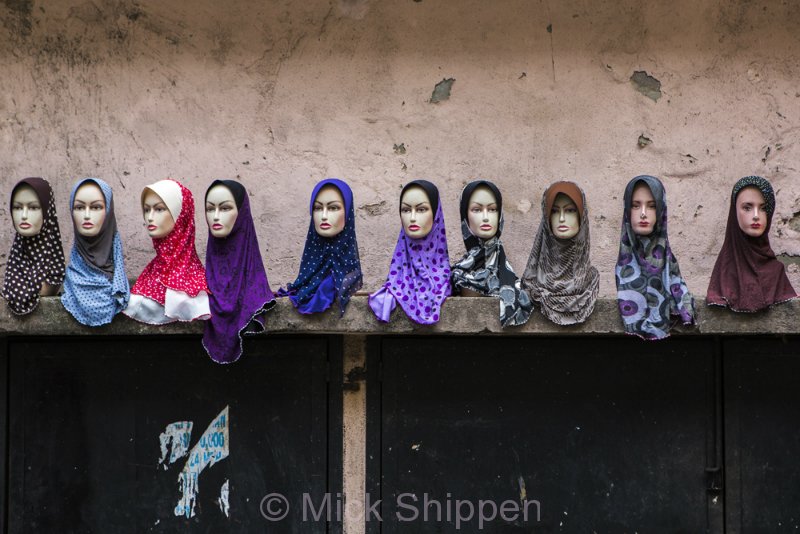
(86, 213)
(485, 215)
(24, 213)
(644, 211)
(413, 216)
(561, 216)
(755, 213)
(324, 214)
(216, 214)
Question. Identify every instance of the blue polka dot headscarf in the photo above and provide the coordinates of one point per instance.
(96, 286)
(327, 258)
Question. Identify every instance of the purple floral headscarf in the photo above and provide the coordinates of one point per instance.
(651, 292)
(240, 293)
(419, 274)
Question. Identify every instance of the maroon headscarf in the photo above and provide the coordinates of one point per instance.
(747, 276)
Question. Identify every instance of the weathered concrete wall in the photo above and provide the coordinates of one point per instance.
(281, 94)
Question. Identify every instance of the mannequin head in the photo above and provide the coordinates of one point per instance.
(483, 215)
(328, 211)
(27, 211)
(89, 209)
(416, 212)
(157, 216)
(221, 211)
(751, 211)
(565, 221)
(643, 210)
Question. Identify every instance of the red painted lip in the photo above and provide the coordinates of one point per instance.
(413, 228)
(324, 226)
(486, 227)
(563, 228)
(152, 227)
(24, 225)
(216, 226)
(643, 224)
(87, 225)
(755, 226)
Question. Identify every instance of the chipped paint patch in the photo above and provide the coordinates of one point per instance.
(224, 505)
(175, 442)
(210, 449)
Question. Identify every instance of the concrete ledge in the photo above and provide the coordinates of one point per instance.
(460, 315)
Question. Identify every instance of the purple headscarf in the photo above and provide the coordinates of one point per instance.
(240, 292)
(419, 275)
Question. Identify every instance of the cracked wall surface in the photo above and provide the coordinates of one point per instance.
(281, 94)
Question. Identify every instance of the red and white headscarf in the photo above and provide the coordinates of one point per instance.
(176, 265)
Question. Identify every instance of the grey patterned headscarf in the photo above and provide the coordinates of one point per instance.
(559, 275)
(485, 269)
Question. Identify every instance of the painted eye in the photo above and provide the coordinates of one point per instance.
(76, 207)
(405, 210)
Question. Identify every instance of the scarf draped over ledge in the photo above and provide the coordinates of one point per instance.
(240, 292)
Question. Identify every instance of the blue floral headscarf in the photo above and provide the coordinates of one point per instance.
(96, 286)
(330, 267)
(650, 288)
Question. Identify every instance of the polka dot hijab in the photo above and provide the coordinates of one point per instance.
(419, 274)
(36, 259)
(96, 287)
(176, 265)
(328, 259)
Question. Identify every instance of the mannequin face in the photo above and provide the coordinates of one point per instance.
(27, 212)
(751, 211)
(564, 219)
(157, 217)
(643, 210)
(482, 213)
(416, 213)
(89, 209)
(221, 211)
(329, 215)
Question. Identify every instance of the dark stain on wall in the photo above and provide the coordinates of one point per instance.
(22, 9)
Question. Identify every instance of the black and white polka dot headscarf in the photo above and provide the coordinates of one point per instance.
(34, 259)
